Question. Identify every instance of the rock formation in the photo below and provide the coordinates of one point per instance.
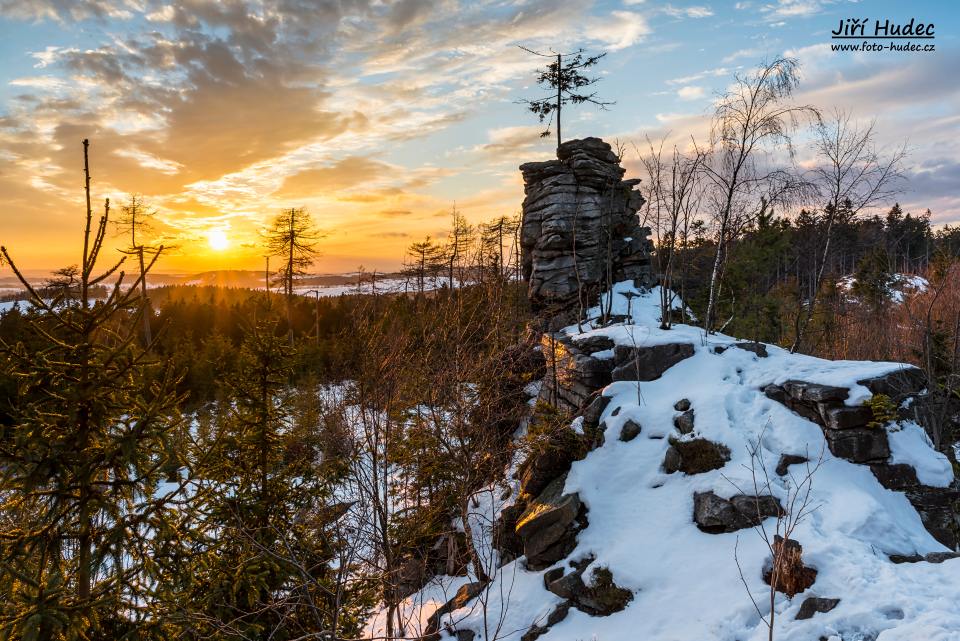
(716, 515)
(580, 227)
(851, 435)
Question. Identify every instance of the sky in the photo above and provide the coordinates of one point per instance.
(380, 117)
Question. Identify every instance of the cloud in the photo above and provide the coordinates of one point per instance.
(511, 141)
(621, 29)
(344, 174)
(690, 93)
(68, 10)
(687, 12)
(149, 161)
(38, 82)
(743, 53)
(792, 9)
(229, 111)
(717, 72)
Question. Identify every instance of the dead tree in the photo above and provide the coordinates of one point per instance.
(135, 220)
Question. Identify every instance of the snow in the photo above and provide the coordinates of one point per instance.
(685, 582)
(382, 286)
(901, 286)
(7, 305)
(912, 446)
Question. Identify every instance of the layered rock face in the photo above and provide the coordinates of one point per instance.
(580, 226)
(850, 436)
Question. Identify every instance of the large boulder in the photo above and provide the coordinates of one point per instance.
(573, 377)
(505, 536)
(898, 384)
(466, 593)
(812, 605)
(549, 526)
(716, 515)
(939, 509)
(859, 445)
(647, 363)
(543, 466)
(601, 597)
(695, 456)
(579, 222)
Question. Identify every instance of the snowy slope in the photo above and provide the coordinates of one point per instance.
(685, 583)
(901, 286)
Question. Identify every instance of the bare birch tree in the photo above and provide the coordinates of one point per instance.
(752, 122)
(853, 175)
(674, 191)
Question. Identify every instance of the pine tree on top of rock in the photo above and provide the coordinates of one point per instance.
(567, 80)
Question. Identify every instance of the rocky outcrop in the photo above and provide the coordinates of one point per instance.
(601, 597)
(464, 595)
(647, 363)
(716, 515)
(630, 430)
(695, 456)
(852, 434)
(576, 370)
(812, 605)
(580, 226)
(573, 376)
(846, 428)
(548, 527)
(898, 384)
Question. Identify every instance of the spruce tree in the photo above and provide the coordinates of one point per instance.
(83, 457)
(293, 237)
(268, 529)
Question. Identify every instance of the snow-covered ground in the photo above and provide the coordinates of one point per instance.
(685, 583)
(384, 286)
(901, 286)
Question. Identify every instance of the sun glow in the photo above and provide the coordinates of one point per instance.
(217, 239)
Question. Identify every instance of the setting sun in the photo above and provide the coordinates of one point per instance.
(217, 239)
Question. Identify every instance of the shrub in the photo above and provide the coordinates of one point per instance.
(883, 410)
